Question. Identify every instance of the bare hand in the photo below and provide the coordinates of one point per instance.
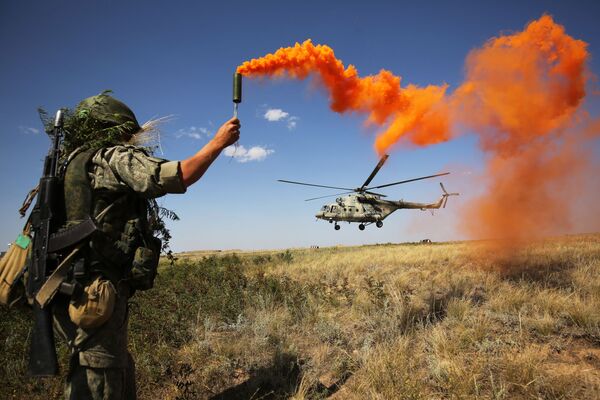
(228, 133)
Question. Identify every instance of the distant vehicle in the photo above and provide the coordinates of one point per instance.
(365, 207)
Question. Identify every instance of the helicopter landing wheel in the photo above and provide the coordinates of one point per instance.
(379, 224)
(361, 227)
(331, 221)
(337, 227)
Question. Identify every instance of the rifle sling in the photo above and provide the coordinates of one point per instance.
(52, 284)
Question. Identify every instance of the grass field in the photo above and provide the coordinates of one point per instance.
(409, 321)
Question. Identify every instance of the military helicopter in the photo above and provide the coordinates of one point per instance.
(366, 207)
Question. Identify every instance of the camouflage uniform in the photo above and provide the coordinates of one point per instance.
(101, 366)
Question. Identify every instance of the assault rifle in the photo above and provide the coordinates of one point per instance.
(42, 352)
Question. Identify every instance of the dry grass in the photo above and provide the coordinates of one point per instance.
(437, 321)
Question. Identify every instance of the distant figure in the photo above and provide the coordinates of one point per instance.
(426, 241)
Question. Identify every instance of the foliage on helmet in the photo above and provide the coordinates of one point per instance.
(96, 122)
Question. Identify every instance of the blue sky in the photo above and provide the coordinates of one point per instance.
(177, 58)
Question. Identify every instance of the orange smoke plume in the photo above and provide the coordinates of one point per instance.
(413, 112)
(522, 94)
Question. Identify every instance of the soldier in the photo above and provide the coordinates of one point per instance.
(112, 181)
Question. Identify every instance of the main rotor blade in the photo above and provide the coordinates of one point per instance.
(375, 171)
(406, 181)
(329, 195)
(312, 184)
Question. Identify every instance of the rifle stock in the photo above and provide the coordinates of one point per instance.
(42, 350)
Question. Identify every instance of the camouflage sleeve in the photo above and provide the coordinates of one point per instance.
(123, 168)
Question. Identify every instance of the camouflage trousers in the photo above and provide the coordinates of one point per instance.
(100, 383)
(100, 368)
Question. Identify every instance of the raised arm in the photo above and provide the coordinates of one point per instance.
(194, 167)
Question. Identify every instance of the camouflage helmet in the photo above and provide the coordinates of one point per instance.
(99, 121)
(109, 112)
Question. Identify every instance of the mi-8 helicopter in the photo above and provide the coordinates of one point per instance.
(366, 207)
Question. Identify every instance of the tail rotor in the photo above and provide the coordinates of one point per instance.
(446, 195)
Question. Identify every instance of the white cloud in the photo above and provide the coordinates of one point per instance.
(193, 132)
(29, 130)
(241, 154)
(292, 122)
(275, 114)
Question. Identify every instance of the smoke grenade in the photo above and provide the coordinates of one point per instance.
(237, 92)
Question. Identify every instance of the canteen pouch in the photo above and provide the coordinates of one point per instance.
(145, 265)
(95, 305)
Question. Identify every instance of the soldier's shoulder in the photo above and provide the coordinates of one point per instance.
(120, 149)
(124, 153)
(125, 147)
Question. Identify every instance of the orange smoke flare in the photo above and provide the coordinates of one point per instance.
(413, 112)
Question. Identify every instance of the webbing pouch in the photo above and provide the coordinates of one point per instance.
(145, 265)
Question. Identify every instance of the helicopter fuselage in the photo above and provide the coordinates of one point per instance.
(366, 208)
(357, 208)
